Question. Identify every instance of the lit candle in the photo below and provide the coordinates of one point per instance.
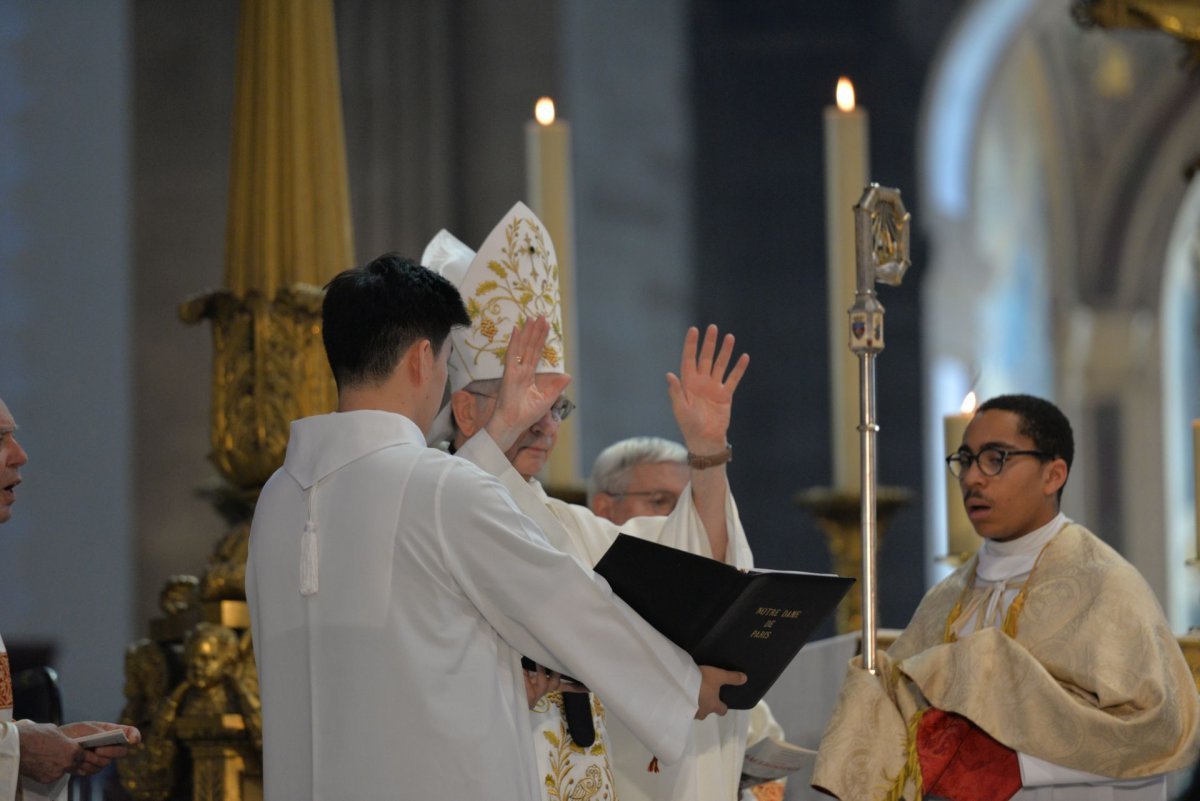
(1196, 477)
(845, 179)
(548, 189)
(960, 534)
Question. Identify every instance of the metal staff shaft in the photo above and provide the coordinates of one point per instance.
(881, 253)
(868, 428)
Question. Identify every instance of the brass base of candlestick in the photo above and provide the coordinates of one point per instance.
(839, 512)
(1190, 645)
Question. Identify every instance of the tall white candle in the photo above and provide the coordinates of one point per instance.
(1196, 476)
(960, 534)
(549, 191)
(846, 171)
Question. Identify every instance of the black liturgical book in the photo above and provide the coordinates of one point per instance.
(752, 621)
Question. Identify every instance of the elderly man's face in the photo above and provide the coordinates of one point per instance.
(653, 489)
(12, 458)
(532, 449)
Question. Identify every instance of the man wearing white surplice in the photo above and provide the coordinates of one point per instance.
(392, 588)
(37, 760)
(513, 277)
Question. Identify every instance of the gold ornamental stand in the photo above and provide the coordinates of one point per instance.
(192, 687)
(838, 512)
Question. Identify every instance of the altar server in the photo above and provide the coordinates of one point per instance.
(1042, 669)
(393, 588)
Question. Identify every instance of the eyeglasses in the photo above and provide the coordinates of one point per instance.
(991, 460)
(659, 500)
(560, 410)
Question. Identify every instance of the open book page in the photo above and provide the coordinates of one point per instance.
(771, 759)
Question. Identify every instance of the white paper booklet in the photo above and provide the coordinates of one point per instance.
(772, 759)
(97, 739)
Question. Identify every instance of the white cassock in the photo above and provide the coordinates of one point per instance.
(1002, 571)
(13, 786)
(712, 764)
(400, 676)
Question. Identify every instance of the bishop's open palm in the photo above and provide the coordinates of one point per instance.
(702, 393)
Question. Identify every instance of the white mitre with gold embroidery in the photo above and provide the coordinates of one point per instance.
(513, 277)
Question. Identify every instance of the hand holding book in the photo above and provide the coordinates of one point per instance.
(752, 621)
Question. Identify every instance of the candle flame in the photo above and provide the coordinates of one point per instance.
(845, 94)
(968, 404)
(544, 111)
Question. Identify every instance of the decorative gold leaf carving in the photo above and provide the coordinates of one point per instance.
(269, 368)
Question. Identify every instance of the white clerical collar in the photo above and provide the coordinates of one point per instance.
(1001, 561)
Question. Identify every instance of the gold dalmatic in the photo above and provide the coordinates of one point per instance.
(1085, 674)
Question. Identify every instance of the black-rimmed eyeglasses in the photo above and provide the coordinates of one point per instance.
(560, 410)
(990, 460)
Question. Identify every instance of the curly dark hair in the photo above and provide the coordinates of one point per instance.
(1040, 421)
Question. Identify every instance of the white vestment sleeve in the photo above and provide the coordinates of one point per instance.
(36, 791)
(586, 535)
(13, 786)
(546, 605)
(10, 760)
(1040, 773)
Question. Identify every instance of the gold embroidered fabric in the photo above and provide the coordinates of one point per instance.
(6, 689)
(1092, 679)
(569, 771)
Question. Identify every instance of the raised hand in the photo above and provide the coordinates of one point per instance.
(522, 401)
(702, 393)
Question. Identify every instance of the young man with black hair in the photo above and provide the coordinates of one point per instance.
(1043, 668)
(393, 587)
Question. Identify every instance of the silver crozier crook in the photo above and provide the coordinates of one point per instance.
(881, 227)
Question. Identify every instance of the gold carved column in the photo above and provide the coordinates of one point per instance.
(192, 687)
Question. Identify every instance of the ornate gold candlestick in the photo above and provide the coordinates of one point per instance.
(288, 233)
(839, 514)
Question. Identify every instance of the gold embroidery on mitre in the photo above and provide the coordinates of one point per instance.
(6, 690)
(508, 283)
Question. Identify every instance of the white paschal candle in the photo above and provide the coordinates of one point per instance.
(549, 191)
(846, 170)
(1196, 477)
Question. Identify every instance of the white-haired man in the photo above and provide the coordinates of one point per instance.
(638, 477)
(38, 759)
(514, 277)
(645, 477)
